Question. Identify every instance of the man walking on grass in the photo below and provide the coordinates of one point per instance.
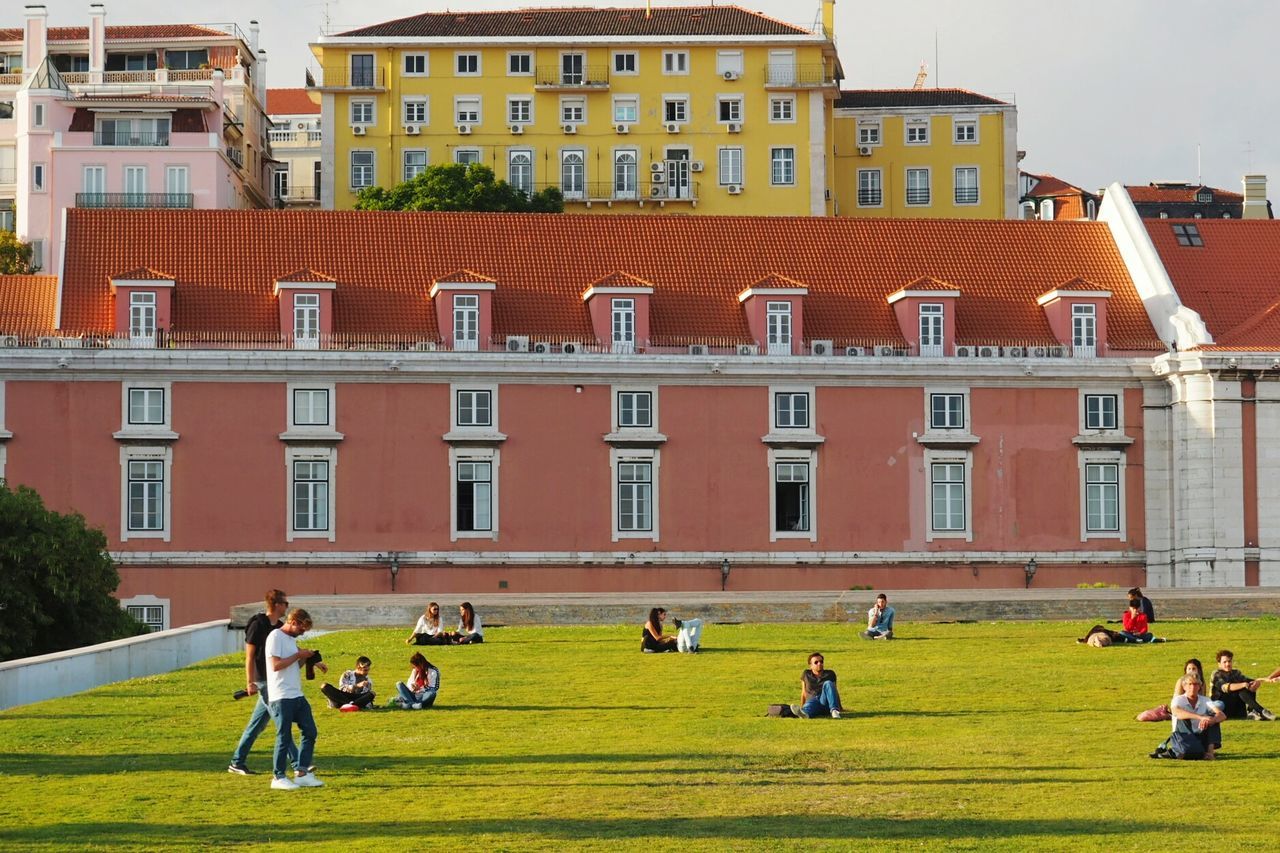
(288, 704)
(255, 675)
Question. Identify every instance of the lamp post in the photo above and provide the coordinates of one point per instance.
(1030, 571)
(724, 573)
(395, 568)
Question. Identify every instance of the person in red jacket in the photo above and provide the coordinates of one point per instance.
(1135, 624)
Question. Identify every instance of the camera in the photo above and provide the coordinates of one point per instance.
(311, 666)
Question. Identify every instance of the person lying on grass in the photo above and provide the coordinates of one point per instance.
(818, 694)
(420, 689)
(1236, 691)
(652, 640)
(355, 689)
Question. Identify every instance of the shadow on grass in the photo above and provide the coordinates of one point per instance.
(786, 829)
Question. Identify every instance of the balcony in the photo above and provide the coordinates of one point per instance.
(347, 80)
(299, 137)
(553, 78)
(163, 201)
(8, 176)
(132, 139)
(299, 195)
(607, 192)
(797, 76)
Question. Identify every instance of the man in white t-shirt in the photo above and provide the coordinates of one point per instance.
(1194, 714)
(288, 704)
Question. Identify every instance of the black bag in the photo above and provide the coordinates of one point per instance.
(1187, 746)
(779, 711)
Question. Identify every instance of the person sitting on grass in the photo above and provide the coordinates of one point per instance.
(879, 620)
(420, 689)
(652, 640)
(355, 689)
(429, 631)
(469, 627)
(818, 694)
(1135, 624)
(1194, 715)
(1236, 691)
(1148, 609)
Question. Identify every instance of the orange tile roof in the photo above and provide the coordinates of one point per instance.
(1154, 194)
(385, 263)
(465, 277)
(1232, 281)
(290, 102)
(926, 282)
(142, 274)
(28, 304)
(620, 279)
(774, 280)
(126, 33)
(1048, 185)
(305, 275)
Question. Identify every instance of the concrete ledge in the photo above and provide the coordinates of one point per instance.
(1095, 605)
(52, 676)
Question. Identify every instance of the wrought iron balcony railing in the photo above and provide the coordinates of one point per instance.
(172, 201)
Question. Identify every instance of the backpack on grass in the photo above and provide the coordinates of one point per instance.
(779, 711)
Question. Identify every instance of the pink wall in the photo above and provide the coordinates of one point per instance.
(907, 311)
(285, 301)
(1058, 313)
(757, 310)
(164, 306)
(443, 304)
(600, 309)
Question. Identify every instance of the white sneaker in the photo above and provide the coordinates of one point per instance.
(417, 706)
(308, 781)
(835, 714)
(284, 783)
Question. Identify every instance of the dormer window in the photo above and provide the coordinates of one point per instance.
(1204, 196)
(1187, 235)
(931, 334)
(466, 322)
(778, 328)
(142, 317)
(306, 320)
(624, 324)
(1084, 331)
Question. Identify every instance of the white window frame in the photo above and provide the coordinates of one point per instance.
(977, 186)
(417, 104)
(293, 429)
(304, 337)
(622, 307)
(681, 102)
(949, 457)
(142, 331)
(575, 102)
(565, 154)
(1102, 457)
(675, 63)
(734, 101)
(879, 173)
(423, 55)
(145, 602)
(147, 453)
(329, 455)
(418, 168)
(371, 166)
(731, 174)
(473, 153)
(906, 186)
(635, 63)
(932, 319)
(870, 132)
(127, 428)
(615, 409)
(924, 131)
(1084, 316)
(93, 178)
(776, 101)
(527, 102)
(527, 56)
(37, 115)
(1116, 394)
(788, 166)
(527, 154)
(465, 316)
(931, 391)
(457, 62)
(784, 336)
(458, 102)
(958, 122)
(632, 101)
(486, 429)
(621, 456)
(367, 117)
(809, 392)
(729, 60)
(792, 456)
(487, 455)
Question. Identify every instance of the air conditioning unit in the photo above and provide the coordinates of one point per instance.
(1015, 352)
(517, 129)
(425, 346)
(570, 129)
(864, 150)
(892, 352)
(412, 129)
(730, 75)
(696, 165)
(672, 127)
(359, 130)
(71, 343)
(734, 127)
(656, 191)
(517, 343)
(988, 352)
(1039, 352)
(9, 341)
(854, 351)
(697, 349)
(1057, 352)
(464, 130)
(622, 128)
(47, 342)
(571, 348)
(657, 167)
(735, 189)
(747, 349)
(965, 352)
(821, 347)
(540, 347)
(658, 177)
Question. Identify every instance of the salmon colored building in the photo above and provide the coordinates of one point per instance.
(359, 401)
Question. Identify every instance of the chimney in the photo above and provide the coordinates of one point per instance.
(253, 36)
(1256, 205)
(35, 37)
(829, 19)
(97, 38)
(262, 78)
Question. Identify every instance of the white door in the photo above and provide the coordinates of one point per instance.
(177, 186)
(782, 67)
(135, 186)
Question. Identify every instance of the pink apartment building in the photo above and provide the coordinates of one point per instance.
(166, 116)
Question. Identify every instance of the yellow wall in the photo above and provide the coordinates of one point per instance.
(703, 134)
(893, 156)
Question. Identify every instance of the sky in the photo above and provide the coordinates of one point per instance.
(1107, 90)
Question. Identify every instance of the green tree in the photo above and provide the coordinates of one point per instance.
(15, 255)
(458, 187)
(56, 580)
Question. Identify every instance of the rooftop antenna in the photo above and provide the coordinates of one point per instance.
(936, 80)
(921, 75)
(1199, 171)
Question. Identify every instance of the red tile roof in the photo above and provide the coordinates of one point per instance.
(142, 274)
(1232, 281)
(1048, 185)
(127, 33)
(775, 281)
(620, 279)
(290, 102)
(583, 21)
(1155, 194)
(465, 277)
(871, 98)
(28, 304)
(926, 282)
(305, 275)
(225, 262)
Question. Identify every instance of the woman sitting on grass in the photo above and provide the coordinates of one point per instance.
(420, 690)
(652, 639)
(469, 627)
(428, 631)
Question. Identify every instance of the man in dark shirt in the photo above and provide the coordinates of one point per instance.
(1236, 691)
(818, 695)
(255, 673)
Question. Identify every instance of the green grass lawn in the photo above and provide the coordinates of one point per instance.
(973, 736)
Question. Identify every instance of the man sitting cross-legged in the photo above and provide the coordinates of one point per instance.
(818, 695)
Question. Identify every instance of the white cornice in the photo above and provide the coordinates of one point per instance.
(638, 290)
(1072, 294)
(145, 282)
(460, 285)
(908, 293)
(305, 285)
(772, 291)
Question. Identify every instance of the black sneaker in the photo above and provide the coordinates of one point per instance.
(241, 770)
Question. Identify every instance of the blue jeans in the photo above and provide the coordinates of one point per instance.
(286, 712)
(257, 722)
(428, 696)
(826, 699)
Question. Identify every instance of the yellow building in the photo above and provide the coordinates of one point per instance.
(711, 110)
(934, 153)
